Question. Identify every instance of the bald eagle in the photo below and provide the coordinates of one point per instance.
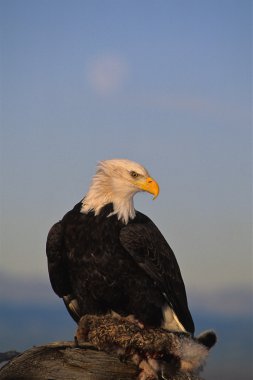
(104, 256)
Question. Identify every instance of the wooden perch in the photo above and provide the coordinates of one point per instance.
(64, 361)
(112, 348)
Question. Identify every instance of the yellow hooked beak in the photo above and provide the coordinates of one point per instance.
(149, 185)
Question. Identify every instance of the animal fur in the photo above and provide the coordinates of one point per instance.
(175, 351)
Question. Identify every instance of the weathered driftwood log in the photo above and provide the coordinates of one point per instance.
(64, 361)
(177, 356)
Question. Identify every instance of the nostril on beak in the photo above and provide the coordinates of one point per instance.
(150, 181)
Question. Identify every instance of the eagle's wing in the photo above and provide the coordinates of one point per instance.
(145, 243)
(58, 269)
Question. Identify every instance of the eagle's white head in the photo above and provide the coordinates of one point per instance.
(117, 181)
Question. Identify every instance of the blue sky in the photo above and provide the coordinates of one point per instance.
(165, 83)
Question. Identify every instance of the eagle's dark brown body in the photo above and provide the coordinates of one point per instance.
(108, 265)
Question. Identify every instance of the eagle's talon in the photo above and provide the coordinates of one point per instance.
(163, 376)
(148, 372)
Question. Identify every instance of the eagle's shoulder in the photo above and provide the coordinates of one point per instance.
(74, 213)
(144, 230)
(141, 219)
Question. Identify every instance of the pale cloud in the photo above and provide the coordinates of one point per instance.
(107, 74)
(190, 104)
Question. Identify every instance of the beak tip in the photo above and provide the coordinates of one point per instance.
(155, 196)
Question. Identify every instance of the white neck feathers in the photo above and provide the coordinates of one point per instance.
(105, 189)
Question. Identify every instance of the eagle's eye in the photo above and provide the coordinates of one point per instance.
(134, 174)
